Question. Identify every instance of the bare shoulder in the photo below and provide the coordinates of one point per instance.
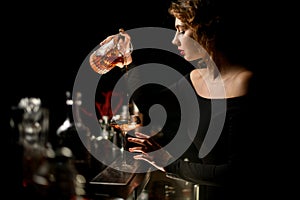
(243, 76)
(196, 74)
(241, 81)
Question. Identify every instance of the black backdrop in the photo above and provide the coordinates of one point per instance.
(48, 42)
(45, 44)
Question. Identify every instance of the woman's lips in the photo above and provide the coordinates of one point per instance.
(181, 52)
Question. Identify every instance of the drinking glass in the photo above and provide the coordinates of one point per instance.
(125, 125)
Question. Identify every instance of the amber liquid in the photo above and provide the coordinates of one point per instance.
(103, 64)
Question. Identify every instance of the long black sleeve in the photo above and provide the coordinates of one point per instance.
(227, 160)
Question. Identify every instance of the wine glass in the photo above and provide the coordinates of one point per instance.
(125, 125)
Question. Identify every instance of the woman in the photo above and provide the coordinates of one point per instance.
(200, 26)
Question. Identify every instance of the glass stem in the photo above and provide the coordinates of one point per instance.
(124, 148)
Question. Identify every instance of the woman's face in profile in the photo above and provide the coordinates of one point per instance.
(189, 48)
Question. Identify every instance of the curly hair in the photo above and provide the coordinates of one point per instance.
(202, 17)
(219, 26)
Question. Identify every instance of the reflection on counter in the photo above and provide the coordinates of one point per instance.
(161, 187)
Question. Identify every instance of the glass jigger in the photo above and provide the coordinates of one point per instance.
(115, 50)
(125, 125)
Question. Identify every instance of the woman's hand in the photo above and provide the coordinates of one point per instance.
(147, 147)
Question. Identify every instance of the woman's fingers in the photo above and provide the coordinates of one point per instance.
(136, 140)
(144, 144)
(145, 157)
(141, 135)
(149, 160)
(141, 149)
(136, 150)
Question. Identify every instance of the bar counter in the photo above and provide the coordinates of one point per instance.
(110, 183)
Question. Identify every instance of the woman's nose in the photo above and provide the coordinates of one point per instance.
(175, 40)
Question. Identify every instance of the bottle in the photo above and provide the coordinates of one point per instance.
(73, 134)
(69, 121)
(105, 126)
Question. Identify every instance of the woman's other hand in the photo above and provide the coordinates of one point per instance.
(148, 148)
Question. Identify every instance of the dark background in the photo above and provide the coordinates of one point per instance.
(45, 43)
(48, 42)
